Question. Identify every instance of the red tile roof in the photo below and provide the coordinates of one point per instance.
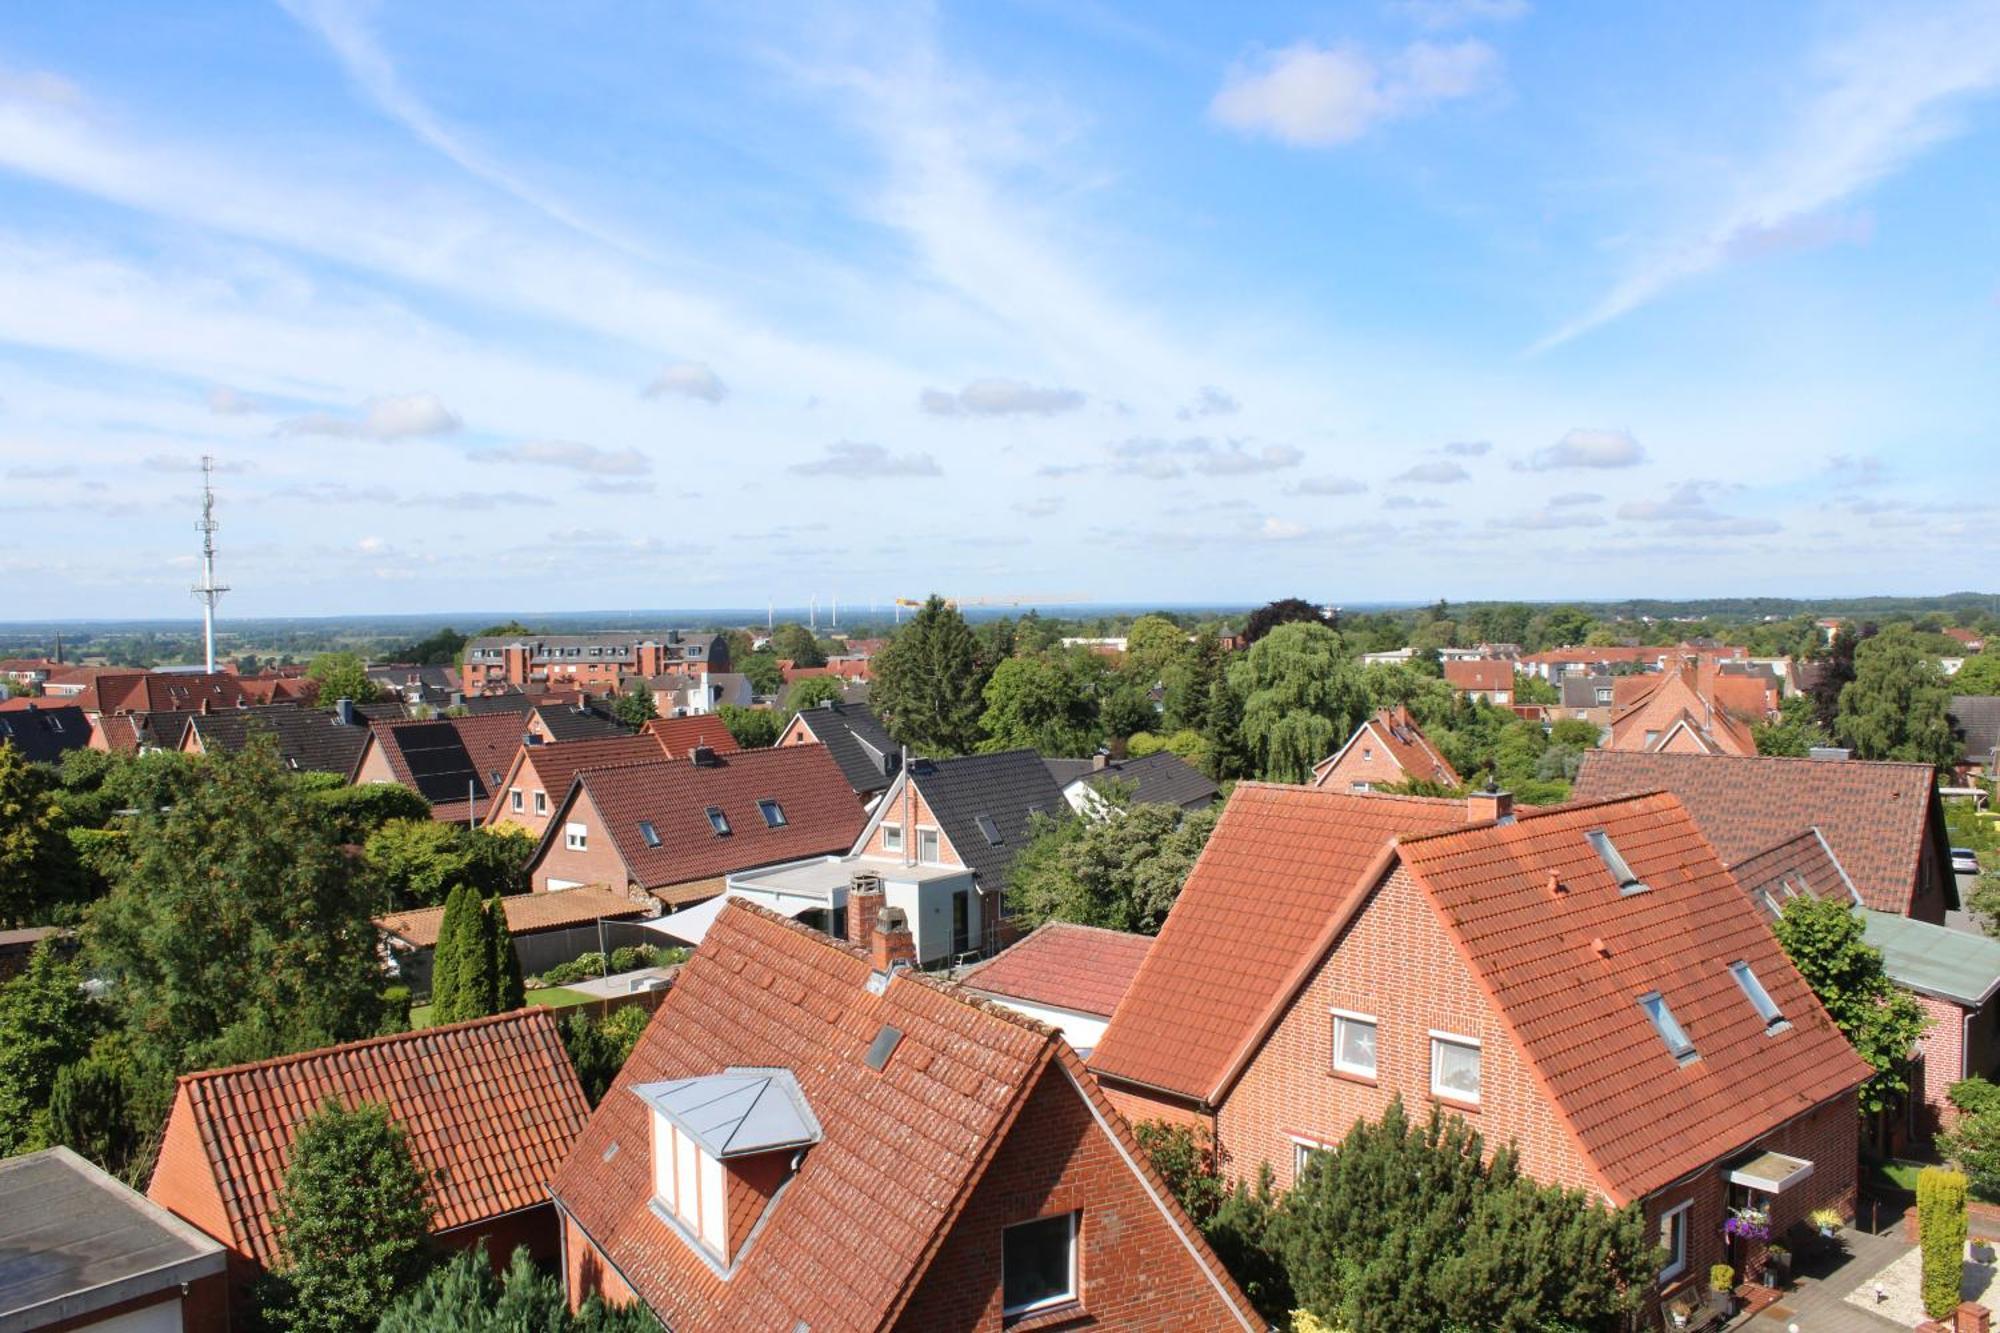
(678, 735)
(491, 1105)
(1403, 741)
(821, 816)
(1281, 863)
(1084, 968)
(846, 1242)
(1479, 674)
(1802, 863)
(1641, 1118)
(489, 742)
(1876, 816)
(526, 913)
(553, 768)
(154, 692)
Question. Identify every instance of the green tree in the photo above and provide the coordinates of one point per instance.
(1941, 1231)
(90, 1111)
(813, 691)
(1532, 689)
(1428, 698)
(38, 868)
(1228, 752)
(1407, 1228)
(752, 728)
(1973, 1144)
(761, 669)
(1190, 681)
(416, 862)
(509, 988)
(238, 909)
(1284, 611)
(1122, 871)
(1302, 695)
(1796, 731)
(1037, 702)
(1153, 645)
(440, 649)
(1576, 733)
(634, 706)
(353, 1219)
(599, 1049)
(463, 985)
(357, 813)
(996, 641)
(46, 1022)
(927, 684)
(342, 676)
(466, 1296)
(1979, 675)
(795, 643)
(1897, 706)
(1126, 711)
(1825, 940)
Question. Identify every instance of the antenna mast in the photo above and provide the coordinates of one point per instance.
(209, 590)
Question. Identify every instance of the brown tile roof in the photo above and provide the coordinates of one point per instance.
(1642, 1118)
(526, 913)
(492, 1105)
(155, 691)
(821, 816)
(127, 733)
(678, 735)
(1084, 968)
(1876, 816)
(844, 1245)
(1479, 674)
(1280, 864)
(1802, 863)
(1404, 741)
(439, 757)
(1646, 719)
(553, 768)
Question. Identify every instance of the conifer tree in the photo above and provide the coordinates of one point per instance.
(509, 990)
(462, 961)
(928, 684)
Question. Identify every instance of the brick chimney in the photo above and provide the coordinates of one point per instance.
(891, 942)
(1490, 806)
(864, 902)
(1100, 759)
(701, 756)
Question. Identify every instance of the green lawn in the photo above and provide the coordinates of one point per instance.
(555, 997)
(1903, 1176)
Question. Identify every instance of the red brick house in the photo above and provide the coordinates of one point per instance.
(455, 763)
(1884, 822)
(1587, 983)
(678, 736)
(492, 1107)
(539, 776)
(1388, 748)
(812, 1135)
(1070, 976)
(1482, 680)
(677, 829)
(591, 662)
(1688, 710)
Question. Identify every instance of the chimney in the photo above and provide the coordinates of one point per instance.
(1098, 760)
(344, 710)
(1490, 806)
(891, 943)
(864, 903)
(702, 756)
(1832, 754)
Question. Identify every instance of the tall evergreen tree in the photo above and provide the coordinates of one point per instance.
(462, 961)
(509, 990)
(928, 684)
(37, 869)
(90, 1112)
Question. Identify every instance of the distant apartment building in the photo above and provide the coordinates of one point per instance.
(497, 662)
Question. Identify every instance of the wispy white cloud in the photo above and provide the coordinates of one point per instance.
(571, 455)
(1469, 448)
(1042, 507)
(1330, 486)
(1439, 473)
(1313, 96)
(1882, 94)
(1163, 460)
(1568, 498)
(398, 417)
(1547, 520)
(224, 401)
(1411, 502)
(1581, 448)
(861, 462)
(999, 398)
(688, 379)
(1209, 402)
(1689, 508)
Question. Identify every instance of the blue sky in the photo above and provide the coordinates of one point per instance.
(602, 305)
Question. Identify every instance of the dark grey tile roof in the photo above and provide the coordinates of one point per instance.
(307, 739)
(868, 759)
(42, 733)
(1159, 779)
(478, 705)
(578, 724)
(1007, 788)
(1066, 771)
(1580, 690)
(1976, 717)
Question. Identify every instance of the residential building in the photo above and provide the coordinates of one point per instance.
(1161, 778)
(1973, 641)
(868, 758)
(551, 723)
(1586, 983)
(138, 733)
(79, 1250)
(1883, 821)
(307, 739)
(694, 693)
(436, 687)
(1690, 709)
(680, 736)
(25, 672)
(547, 928)
(812, 1135)
(677, 829)
(1482, 680)
(1975, 719)
(540, 775)
(585, 661)
(1587, 696)
(491, 1108)
(1068, 976)
(1386, 749)
(44, 732)
(455, 763)
(159, 691)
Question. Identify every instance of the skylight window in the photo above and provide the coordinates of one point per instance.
(1760, 999)
(649, 833)
(718, 821)
(1600, 842)
(774, 814)
(989, 828)
(1669, 1028)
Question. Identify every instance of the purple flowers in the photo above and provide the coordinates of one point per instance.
(1748, 1224)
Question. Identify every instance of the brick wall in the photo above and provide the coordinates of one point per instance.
(1369, 761)
(374, 766)
(585, 1273)
(1397, 963)
(1943, 1050)
(910, 812)
(599, 861)
(1134, 1270)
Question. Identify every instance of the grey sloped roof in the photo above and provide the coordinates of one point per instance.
(307, 739)
(43, 733)
(1580, 691)
(1008, 788)
(868, 759)
(514, 701)
(579, 724)
(1976, 717)
(738, 1112)
(1163, 778)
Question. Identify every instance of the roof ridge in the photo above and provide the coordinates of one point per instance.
(1530, 813)
(526, 1012)
(1779, 759)
(1384, 797)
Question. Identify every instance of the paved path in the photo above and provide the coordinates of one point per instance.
(1818, 1303)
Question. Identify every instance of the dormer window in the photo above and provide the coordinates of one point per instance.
(774, 814)
(1669, 1028)
(718, 821)
(1760, 999)
(1628, 883)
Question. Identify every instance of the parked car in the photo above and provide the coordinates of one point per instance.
(1964, 861)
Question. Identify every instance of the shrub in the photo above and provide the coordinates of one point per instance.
(631, 958)
(1721, 1277)
(576, 969)
(1941, 1229)
(1184, 1157)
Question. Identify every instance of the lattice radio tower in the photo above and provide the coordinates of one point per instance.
(208, 590)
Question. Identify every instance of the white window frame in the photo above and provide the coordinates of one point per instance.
(1760, 998)
(1302, 1148)
(936, 856)
(1344, 1016)
(892, 837)
(1069, 1295)
(541, 802)
(514, 799)
(576, 837)
(1442, 1039)
(1681, 1213)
